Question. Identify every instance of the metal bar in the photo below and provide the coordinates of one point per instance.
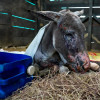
(30, 2)
(96, 19)
(23, 27)
(23, 18)
(81, 7)
(66, 4)
(85, 19)
(17, 17)
(98, 16)
(83, 16)
(90, 24)
(3, 13)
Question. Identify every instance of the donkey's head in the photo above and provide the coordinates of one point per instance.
(68, 38)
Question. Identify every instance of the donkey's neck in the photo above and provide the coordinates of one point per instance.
(47, 42)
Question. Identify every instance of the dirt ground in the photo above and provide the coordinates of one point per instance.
(21, 48)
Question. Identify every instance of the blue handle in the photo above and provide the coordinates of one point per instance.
(12, 79)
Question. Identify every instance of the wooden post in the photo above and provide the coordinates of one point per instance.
(90, 25)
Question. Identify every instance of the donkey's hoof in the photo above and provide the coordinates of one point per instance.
(94, 66)
(64, 69)
(31, 70)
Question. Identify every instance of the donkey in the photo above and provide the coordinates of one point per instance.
(63, 41)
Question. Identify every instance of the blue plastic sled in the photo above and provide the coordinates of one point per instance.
(13, 74)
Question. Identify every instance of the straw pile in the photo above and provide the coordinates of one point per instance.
(71, 86)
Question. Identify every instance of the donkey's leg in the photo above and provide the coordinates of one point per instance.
(55, 66)
(53, 61)
(63, 69)
(33, 69)
(45, 60)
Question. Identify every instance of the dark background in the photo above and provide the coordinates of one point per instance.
(11, 36)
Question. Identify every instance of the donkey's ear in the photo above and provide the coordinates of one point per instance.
(64, 11)
(46, 15)
(79, 13)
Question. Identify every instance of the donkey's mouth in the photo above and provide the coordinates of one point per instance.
(85, 59)
(79, 63)
(79, 68)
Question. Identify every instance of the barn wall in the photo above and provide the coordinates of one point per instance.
(17, 31)
(17, 26)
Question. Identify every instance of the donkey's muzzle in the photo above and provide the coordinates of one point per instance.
(81, 63)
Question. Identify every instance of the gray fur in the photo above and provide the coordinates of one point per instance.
(63, 42)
